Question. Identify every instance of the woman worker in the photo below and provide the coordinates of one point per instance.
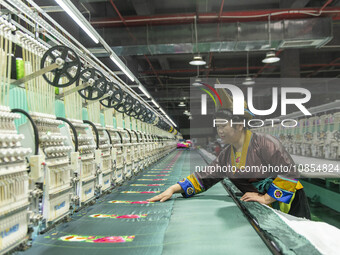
(281, 190)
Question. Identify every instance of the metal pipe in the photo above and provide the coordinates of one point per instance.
(236, 16)
(232, 69)
(134, 38)
(333, 63)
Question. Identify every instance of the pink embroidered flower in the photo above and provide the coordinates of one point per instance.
(129, 216)
(110, 239)
(140, 202)
(237, 160)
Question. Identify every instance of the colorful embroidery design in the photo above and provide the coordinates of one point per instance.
(129, 202)
(278, 193)
(146, 185)
(139, 192)
(115, 216)
(156, 174)
(161, 172)
(151, 179)
(190, 191)
(97, 239)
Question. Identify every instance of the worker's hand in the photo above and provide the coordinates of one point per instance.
(256, 197)
(163, 196)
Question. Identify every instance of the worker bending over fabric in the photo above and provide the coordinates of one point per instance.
(280, 190)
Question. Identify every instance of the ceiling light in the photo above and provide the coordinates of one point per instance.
(74, 14)
(173, 123)
(124, 68)
(186, 112)
(181, 104)
(248, 81)
(155, 103)
(197, 61)
(197, 82)
(270, 58)
(141, 87)
(190, 117)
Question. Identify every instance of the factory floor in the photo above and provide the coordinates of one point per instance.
(207, 223)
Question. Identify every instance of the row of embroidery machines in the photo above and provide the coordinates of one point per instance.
(66, 175)
(70, 129)
(317, 136)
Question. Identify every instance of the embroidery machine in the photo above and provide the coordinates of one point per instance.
(53, 163)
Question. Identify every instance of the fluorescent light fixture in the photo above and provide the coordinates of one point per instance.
(125, 70)
(74, 15)
(145, 92)
(162, 111)
(181, 104)
(155, 103)
(248, 81)
(270, 58)
(197, 61)
(173, 123)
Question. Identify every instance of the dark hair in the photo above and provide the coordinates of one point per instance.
(228, 115)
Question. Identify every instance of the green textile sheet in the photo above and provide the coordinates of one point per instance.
(148, 231)
(209, 223)
(287, 239)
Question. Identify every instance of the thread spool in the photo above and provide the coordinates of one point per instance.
(20, 68)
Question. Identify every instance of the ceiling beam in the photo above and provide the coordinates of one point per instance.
(204, 6)
(293, 3)
(163, 61)
(134, 39)
(143, 7)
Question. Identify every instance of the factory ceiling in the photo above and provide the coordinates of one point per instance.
(157, 40)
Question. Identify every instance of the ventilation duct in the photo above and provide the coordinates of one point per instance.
(223, 37)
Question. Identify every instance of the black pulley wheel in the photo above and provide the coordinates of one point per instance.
(115, 98)
(141, 112)
(125, 105)
(95, 90)
(148, 115)
(69, 69)
(135, 110)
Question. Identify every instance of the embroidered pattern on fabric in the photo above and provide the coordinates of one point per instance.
(97, 239)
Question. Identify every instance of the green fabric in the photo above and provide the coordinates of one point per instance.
(263, 185)
(148, 231)
(60, 109)
(85, 114)
(209, 223)
(102, 121)
(17, 99)
(287, 239)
